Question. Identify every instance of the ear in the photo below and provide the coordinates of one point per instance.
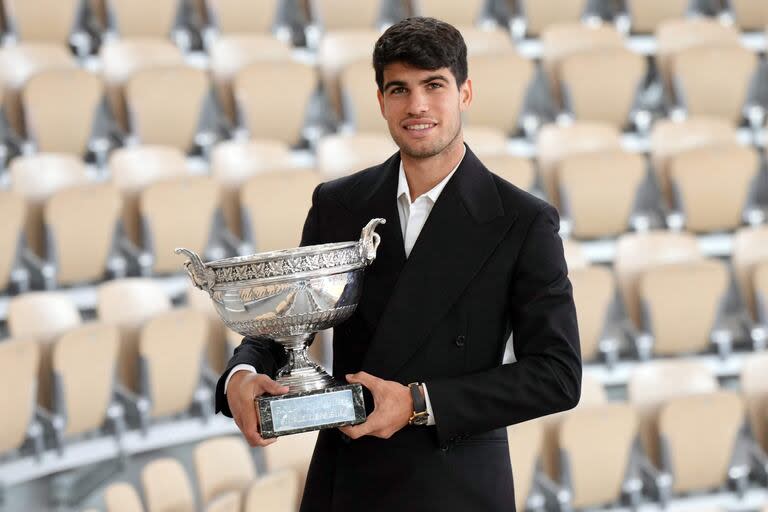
(465, 95)
(380, 97)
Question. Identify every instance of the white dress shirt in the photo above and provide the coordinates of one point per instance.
(413, 216)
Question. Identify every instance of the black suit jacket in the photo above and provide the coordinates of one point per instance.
(488, 262)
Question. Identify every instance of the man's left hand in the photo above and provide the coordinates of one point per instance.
(392, 403)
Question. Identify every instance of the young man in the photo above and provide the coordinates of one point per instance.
(465, 259)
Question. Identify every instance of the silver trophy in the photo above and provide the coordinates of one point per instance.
(288, 296)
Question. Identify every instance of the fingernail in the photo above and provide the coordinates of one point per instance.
(349, 375)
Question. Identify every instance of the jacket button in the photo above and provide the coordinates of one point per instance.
(444, 447)
(460, 340)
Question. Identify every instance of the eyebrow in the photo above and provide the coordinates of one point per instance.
(400, 83)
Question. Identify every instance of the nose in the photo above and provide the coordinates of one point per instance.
(417, 103)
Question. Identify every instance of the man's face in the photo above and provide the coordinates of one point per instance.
(423, 108)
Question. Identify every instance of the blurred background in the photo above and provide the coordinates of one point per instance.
(131, 127)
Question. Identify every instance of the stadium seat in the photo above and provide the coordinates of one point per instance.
(134, 168)
(92, 209)
(48, 21)
(266, 227)
(142, 18)
(19, 360)
(750, 248)
(167, 486)
(61, 315)
(598, 192)
(62, 126)
(482, 41)
(525, 443)
(218, 351)
(574, 254)
(485, 141)
(242, 16)
(293, 457)
(84, 366)
(259, 113)
(13, 212)
(122, 497)
(274, 492)
(602, 85)
(340, 154)
(711, 187)
(166, 105)
(749, 14)
(498, 80)
(332, 15)
(594, 290)
(517, 170)
(227, 502)
(129, 303)
(360, 108)
(539, 15)
(466, 13)
(754, 389)
(644, 16)
(223, 464)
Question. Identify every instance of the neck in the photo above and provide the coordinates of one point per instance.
(423, 174)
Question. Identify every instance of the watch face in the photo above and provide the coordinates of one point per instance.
(420, 419)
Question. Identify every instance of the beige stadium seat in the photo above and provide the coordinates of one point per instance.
(713, 186)
(71, 213)
(359, 102)
(575, 256)
(595, 446)
(485, 141)
(129, 303)
(749, 14)
(555, 142)
(525, 443)
(166, 486)
(20, 62)
(293, 457)
(598, 191)
(242, 16)
(122, 497)
(594, 290)
(84, 365)
(218, 351)
(231, 53)
(13, 212)
(517, 170)
(669, 138)
(541, 14)
(646, 15)
(227, 502)
(468, 12)
(49, 21)
(165, 105)
(653, 384)
(61, 315)
(171, 349)
(274, 492)
(700, 434)
(754, 389)
(133, 168)
(143, 18)
(178, 213)
(683, 304)
(19, 360)
(638, 252)
(334, 15)
(222, 465)
(750, 248)
(602, 85)
(722, 95)
(488, 73)
(482, 41)
(234, 161)
(60, 126)
(340, 154)
(267, 226)
(339, 49)
(259, 113)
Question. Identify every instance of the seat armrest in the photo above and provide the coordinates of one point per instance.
(136, 405)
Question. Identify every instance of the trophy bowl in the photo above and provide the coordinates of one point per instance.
(289, 295)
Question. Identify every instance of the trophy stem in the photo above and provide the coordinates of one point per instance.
(301, 373)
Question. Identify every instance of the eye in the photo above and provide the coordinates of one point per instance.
(397, 90)
(434, 85)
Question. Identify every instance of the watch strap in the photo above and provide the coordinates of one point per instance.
(419, 415)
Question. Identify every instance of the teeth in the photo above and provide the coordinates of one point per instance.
(419, 126)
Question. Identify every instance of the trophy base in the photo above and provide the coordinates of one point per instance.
(303, 411)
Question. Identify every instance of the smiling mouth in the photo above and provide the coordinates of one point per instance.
(419, 127)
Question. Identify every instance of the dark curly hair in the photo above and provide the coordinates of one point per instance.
(424, 43)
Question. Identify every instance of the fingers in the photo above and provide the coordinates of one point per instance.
(371, 426)
(270, 386)
(244, 408)
(366, 379)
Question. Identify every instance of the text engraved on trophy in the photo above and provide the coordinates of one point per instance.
(312, 410)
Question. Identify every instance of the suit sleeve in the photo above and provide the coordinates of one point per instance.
(264, 354)
(546, 378)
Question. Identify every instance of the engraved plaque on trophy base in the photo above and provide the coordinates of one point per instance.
(303, 411)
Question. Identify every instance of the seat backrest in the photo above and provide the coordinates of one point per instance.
(242, 16)
(223, 464)
(274, 492)
(593, 293)
(43, 20)
(701, 433)
(171, 346)
(218, 353)
(198, 197)
(341, 14)
(598, 191)
(467, 12)
(24, 313)
(555, 142)
(358, 87)
(144, 18)
(165, 104)
(62, 126)
(340, 154)
(122, 497)
(515, 169)
(750, 247)
(683, 303)
(93, 209)
(597, 443)
(260, 114)
(85, 360)
(484, 41)
(541, 14)
(564, 39)
(525, 443)
(166, 486)
(485, 141)
(575, 256)
(646, 15)
(339, 49)
(13, 212)
(602, 85)
(259, 198)
(723, 95)
(294, 457)
(227, 502)
(19, 360)
(754, 388)
(121, 58)
(637, 252)
(749, 14)
(714, 184)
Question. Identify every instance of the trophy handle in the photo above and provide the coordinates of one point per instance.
(202, 277)
(370, 240)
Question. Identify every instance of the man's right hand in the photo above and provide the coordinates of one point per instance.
(243, 387)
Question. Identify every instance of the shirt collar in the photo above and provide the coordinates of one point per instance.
(434, 192)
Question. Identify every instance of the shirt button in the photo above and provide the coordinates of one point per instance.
(460, 340)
